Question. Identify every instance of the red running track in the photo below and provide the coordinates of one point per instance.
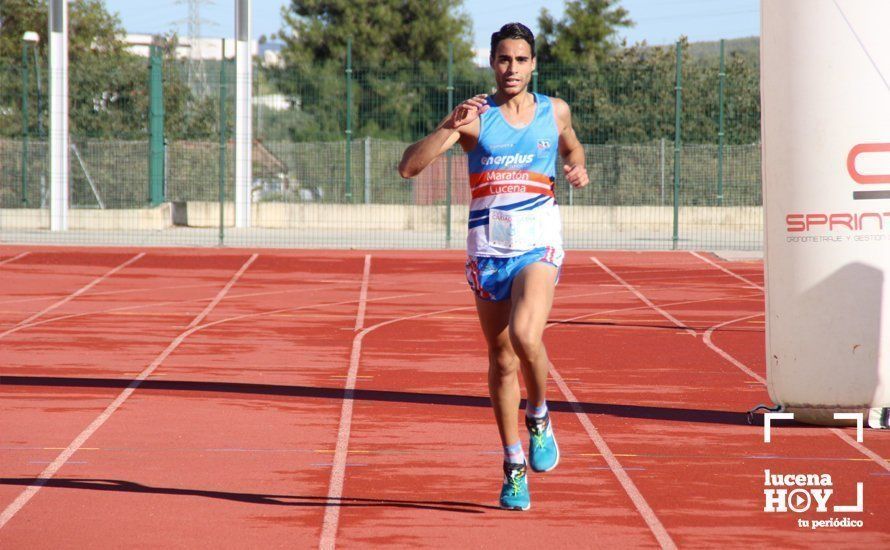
(172, 397)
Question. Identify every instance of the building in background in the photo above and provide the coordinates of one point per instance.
(206, 48)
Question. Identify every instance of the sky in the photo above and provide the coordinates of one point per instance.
(657, 21)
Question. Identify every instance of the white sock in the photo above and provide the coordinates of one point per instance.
(513, 453)
(536, 412)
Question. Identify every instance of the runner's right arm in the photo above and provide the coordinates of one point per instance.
(420, 154)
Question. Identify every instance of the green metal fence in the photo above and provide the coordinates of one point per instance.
(672, 151)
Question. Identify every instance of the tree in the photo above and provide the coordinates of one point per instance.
(383, 32)
(105, 80)
(586, 33)
(108, 85)
(399, 52)
(16, 17)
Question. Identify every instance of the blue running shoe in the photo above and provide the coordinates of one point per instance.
(514, 493)
(543, 453)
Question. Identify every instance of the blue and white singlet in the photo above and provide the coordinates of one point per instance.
(512, 178)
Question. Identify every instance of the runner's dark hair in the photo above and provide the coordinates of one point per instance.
(515, 31)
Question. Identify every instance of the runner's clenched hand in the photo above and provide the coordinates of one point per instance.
(576, 175)
(468, 111)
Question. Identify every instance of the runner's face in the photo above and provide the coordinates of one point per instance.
(513, 65)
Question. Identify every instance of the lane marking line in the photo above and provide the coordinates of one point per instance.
(645, 300)
(78, 442)
(219, 295)
(359, 337)
(14, 258)
(394, 320)
(335, 483)
(639, 501)
(620, 473)
(199, 300)
(748, 282)
(858, 417)
(105, 293)
(732, 360)
(363, 295)
(325, 305)
(328, 538)
(875, 457)
(72, 296)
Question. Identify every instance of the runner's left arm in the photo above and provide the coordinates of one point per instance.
(570, 148)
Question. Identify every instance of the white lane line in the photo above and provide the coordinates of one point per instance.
(104, 293)
(226, 320)
(219, 295)
(328, 538)
(363, 295)
(862, 449)
(73, 295)
(14, 258)
(301, 290)
(431, 314)
(878, 459)
(722, 353)
(331, 520)
(748, 282)
(619, 471)
(322, 306)
(78, 442)
(334, 495)
(645, 300)
(233, 296)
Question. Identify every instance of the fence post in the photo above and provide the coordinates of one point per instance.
(349, 120)
(678, 109)
(166, 165)
(448, 154)
(222, 144)
(722, 76)
(40, 135)
(156, 130)
(367, 170)
(258, 90)
(661, 159)
(25, 123)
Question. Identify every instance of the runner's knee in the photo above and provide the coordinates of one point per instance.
(502, 361)
(527, 342)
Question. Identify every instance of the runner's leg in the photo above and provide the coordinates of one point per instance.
(503, 367)
(532, 297)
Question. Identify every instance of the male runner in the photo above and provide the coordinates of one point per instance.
(514, 245)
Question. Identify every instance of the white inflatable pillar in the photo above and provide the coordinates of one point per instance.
(825, 85)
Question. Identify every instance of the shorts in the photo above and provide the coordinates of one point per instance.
(491, 277)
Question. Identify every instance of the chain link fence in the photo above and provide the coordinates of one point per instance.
(328, 140)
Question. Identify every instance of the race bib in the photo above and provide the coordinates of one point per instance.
(513, 230)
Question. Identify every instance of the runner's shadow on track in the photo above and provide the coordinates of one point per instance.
(202, 389)
(251, 498)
